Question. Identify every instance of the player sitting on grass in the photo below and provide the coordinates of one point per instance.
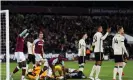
(74, 74)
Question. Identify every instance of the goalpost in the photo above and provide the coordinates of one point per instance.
(4, 45)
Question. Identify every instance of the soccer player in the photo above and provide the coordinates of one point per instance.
(98, 50)
(38, 49)
(124, 56)
(82, 52)
(74, 74)
(31, 56)
(52, 65)
(33, 73)
(19, 55)
(119, 49)
(46, 72)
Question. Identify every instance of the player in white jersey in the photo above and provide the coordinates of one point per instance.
(98, 50)
(82, 52)
(119, 49)
(125, 57)
(74, 74)
(31, 56)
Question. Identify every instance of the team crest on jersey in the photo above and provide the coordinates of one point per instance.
(39, 43)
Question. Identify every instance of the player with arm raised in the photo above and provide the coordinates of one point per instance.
(119, 49)
(82, 52)
(19, 55)
(38, 49)
(98, 50)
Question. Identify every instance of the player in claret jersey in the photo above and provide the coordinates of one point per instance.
(19, 55)
(52, 65)
(38, 49)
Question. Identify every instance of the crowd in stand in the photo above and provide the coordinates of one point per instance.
(61, 33)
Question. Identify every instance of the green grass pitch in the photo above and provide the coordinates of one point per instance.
(105, 74)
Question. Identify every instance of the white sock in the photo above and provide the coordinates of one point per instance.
(11, 75)
(124, 64)
(93, 70)
(34, 65)
(27, 66)
(81, 67)
(37, 78)
(98, 68)
(22, 78)
(120, 70)
(115, 72)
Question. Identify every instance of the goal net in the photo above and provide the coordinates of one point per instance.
(4, 45)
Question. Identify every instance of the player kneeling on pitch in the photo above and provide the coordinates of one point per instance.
(119, 49)
(53, 65)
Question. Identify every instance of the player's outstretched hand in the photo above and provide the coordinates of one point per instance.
(108, 29)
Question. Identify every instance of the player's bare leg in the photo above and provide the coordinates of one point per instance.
(124, 64)
(23, 70)
(20, 65)
(16, 69)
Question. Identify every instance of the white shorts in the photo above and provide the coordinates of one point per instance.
(38, 57)
(20, 56)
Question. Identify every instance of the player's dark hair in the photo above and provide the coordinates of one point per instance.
(84, 33)
(119, 27)
(99, 26)
(30, 38)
